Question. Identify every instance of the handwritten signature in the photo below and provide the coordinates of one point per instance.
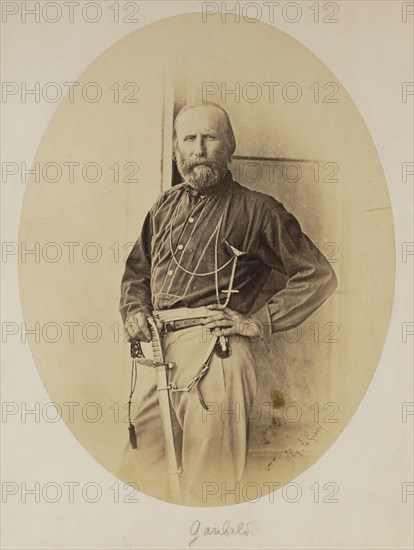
(308, 439)
(243, 529)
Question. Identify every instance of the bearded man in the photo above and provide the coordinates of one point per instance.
(205, 251)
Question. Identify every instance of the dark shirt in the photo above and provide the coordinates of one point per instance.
(188, 236)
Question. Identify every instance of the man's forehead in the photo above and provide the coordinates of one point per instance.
(201, 118)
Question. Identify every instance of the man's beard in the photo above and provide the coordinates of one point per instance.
(202, 173)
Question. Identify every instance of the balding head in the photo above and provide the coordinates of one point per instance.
(215, 113)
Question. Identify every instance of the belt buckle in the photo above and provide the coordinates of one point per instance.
(168, 326)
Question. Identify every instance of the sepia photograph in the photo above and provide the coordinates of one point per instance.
(205, 259)
(235, 221)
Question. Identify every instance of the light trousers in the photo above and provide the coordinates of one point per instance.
(211, 445)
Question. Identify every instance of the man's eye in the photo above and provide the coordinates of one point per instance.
(189, 138)
(210, 138)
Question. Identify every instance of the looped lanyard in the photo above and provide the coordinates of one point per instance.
(215, 233)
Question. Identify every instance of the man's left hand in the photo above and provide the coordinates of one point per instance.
(227, 322)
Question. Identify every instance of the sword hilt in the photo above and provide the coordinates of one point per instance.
(136, 350)
(138, 355)
(155, 340)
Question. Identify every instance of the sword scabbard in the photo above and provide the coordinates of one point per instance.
(161, 368)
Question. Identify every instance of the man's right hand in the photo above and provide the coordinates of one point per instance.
(137, 328)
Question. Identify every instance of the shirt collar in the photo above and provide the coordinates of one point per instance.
(216, 189)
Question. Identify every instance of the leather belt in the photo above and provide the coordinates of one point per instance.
(172, 326)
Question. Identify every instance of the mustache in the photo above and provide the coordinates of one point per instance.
(199, 162)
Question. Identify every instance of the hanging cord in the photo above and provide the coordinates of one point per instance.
(195, 225)
(215, 232)
(132, 434)
(136, 352)
(231, 282)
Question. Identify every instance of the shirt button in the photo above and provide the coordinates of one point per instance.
(180, 247)
(170, 272)
(191, 220)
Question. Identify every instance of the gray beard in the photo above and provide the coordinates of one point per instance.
(202, 173)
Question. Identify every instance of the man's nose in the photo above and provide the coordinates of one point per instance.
(199, 147)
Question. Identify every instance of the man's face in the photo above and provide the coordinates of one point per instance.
(201, 147)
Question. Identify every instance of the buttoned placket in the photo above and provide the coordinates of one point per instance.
(192, 221)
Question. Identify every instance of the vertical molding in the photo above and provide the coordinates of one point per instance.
(167, 127)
